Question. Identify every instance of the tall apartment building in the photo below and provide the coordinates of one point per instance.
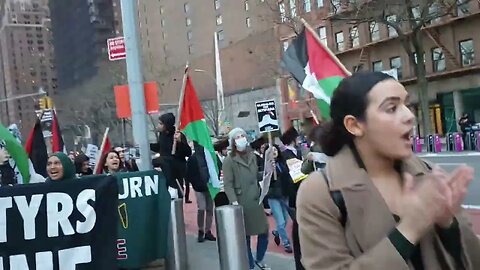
(80, 30)
(174, 32)
(451, 46)
(27, 60)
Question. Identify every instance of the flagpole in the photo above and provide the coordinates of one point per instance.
(180, 107)
(317, 38)
(270, 145)
(99, 155)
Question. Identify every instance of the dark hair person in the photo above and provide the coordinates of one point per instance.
(377, 206)
(111, 162)
(82, 165)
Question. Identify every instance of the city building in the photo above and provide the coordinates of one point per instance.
(80, 30)
(27, 60)
(452, 55)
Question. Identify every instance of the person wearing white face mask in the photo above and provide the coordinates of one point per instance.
(240, 177)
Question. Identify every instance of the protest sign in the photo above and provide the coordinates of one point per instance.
(59, 225)
(295, 167)
(144, 214)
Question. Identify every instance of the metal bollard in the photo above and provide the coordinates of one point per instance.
(177, 258)
(231, 241)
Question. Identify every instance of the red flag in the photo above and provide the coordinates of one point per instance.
(106, 147)
(57, 140)
(37, 150)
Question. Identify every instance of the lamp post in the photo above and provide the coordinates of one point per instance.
(40, 92)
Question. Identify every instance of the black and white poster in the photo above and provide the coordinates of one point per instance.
(63, 225)
(267, 116)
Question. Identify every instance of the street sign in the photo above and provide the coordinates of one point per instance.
(267, 116)
(116, 48)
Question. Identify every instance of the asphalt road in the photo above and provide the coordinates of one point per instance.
(450, 161)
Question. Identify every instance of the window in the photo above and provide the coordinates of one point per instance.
(285, 45)
(186, 7)
(293, 8)
(354, 37)
(190, 49)
(217, 4)
(339, 41)
(220, 34)
(335, 6)
(162, 10)
(391, 31)
(396, 63)
(438, 59)
(322, 33)
(415, 57)
(377, 65)
(467, 52)
(416, 12)
(162, 22)
(164, 35)
(307, 5)
(281, 7)
(463, 8)
(189, 35)
(188, 21)
(248, 22)
(247, 7)
(374, 31)
(434, 12)
(319, 3)
(219, 20)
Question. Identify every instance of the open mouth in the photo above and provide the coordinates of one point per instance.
(54, 174)
(408, 136)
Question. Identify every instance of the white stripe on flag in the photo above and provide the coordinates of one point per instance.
(311, 85)
(212, 170)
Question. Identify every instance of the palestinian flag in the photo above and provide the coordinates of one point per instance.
(37, 149)
(311, 64)
(17, 153)
(57, 140)
(193, 125)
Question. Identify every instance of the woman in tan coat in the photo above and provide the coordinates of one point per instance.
(240, 172)
(376, 206)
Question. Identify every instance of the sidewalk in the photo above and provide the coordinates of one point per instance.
(205, 256)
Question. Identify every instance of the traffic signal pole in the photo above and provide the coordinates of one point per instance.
(135, 82)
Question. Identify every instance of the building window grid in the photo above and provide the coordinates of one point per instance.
(281, 7)
(374, 31)
(307, 5)
(248, 22)
(217, 4)
(247, 6)
(322, 32)
(186, 7)
(319, 3)
(189, 35)
(354, 37)
(188, 21)
(293, 8)
(377, 66)
(467, 52)
(221, 35)
(463, 8)
(396, 63)
(438, 60)
(339, 41)
(391, 31)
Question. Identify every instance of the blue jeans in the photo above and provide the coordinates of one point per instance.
(279, 209)
(262, 245)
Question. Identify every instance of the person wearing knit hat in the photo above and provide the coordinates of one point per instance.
(240, 177)
(173, 166)
(60, 168)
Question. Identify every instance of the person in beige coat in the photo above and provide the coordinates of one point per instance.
(240, 178)
(376, 206)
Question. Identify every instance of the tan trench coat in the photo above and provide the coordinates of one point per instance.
(363, 243)
(241, 185)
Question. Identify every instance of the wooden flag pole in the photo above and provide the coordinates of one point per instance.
(99, 155)
(317, 38)
(180, 107)
(270, 144)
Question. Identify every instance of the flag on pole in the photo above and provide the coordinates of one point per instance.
(106, 147)
(193, 125)
(57, 140)
(37, 149)
(19, 158)
(315, 68)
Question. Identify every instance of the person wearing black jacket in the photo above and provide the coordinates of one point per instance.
(173, 166)
(199, 176)
(221, 150)
(289, 139)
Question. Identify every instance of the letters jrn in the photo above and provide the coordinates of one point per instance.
(137, 187)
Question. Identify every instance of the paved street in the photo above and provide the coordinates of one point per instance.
(449, 161)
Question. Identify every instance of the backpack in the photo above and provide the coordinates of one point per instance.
(192, 175)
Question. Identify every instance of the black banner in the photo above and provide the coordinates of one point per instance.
(59, 225)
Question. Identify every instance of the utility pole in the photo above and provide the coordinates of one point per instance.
(135, 81)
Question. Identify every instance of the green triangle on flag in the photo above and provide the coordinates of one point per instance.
(16, 151)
